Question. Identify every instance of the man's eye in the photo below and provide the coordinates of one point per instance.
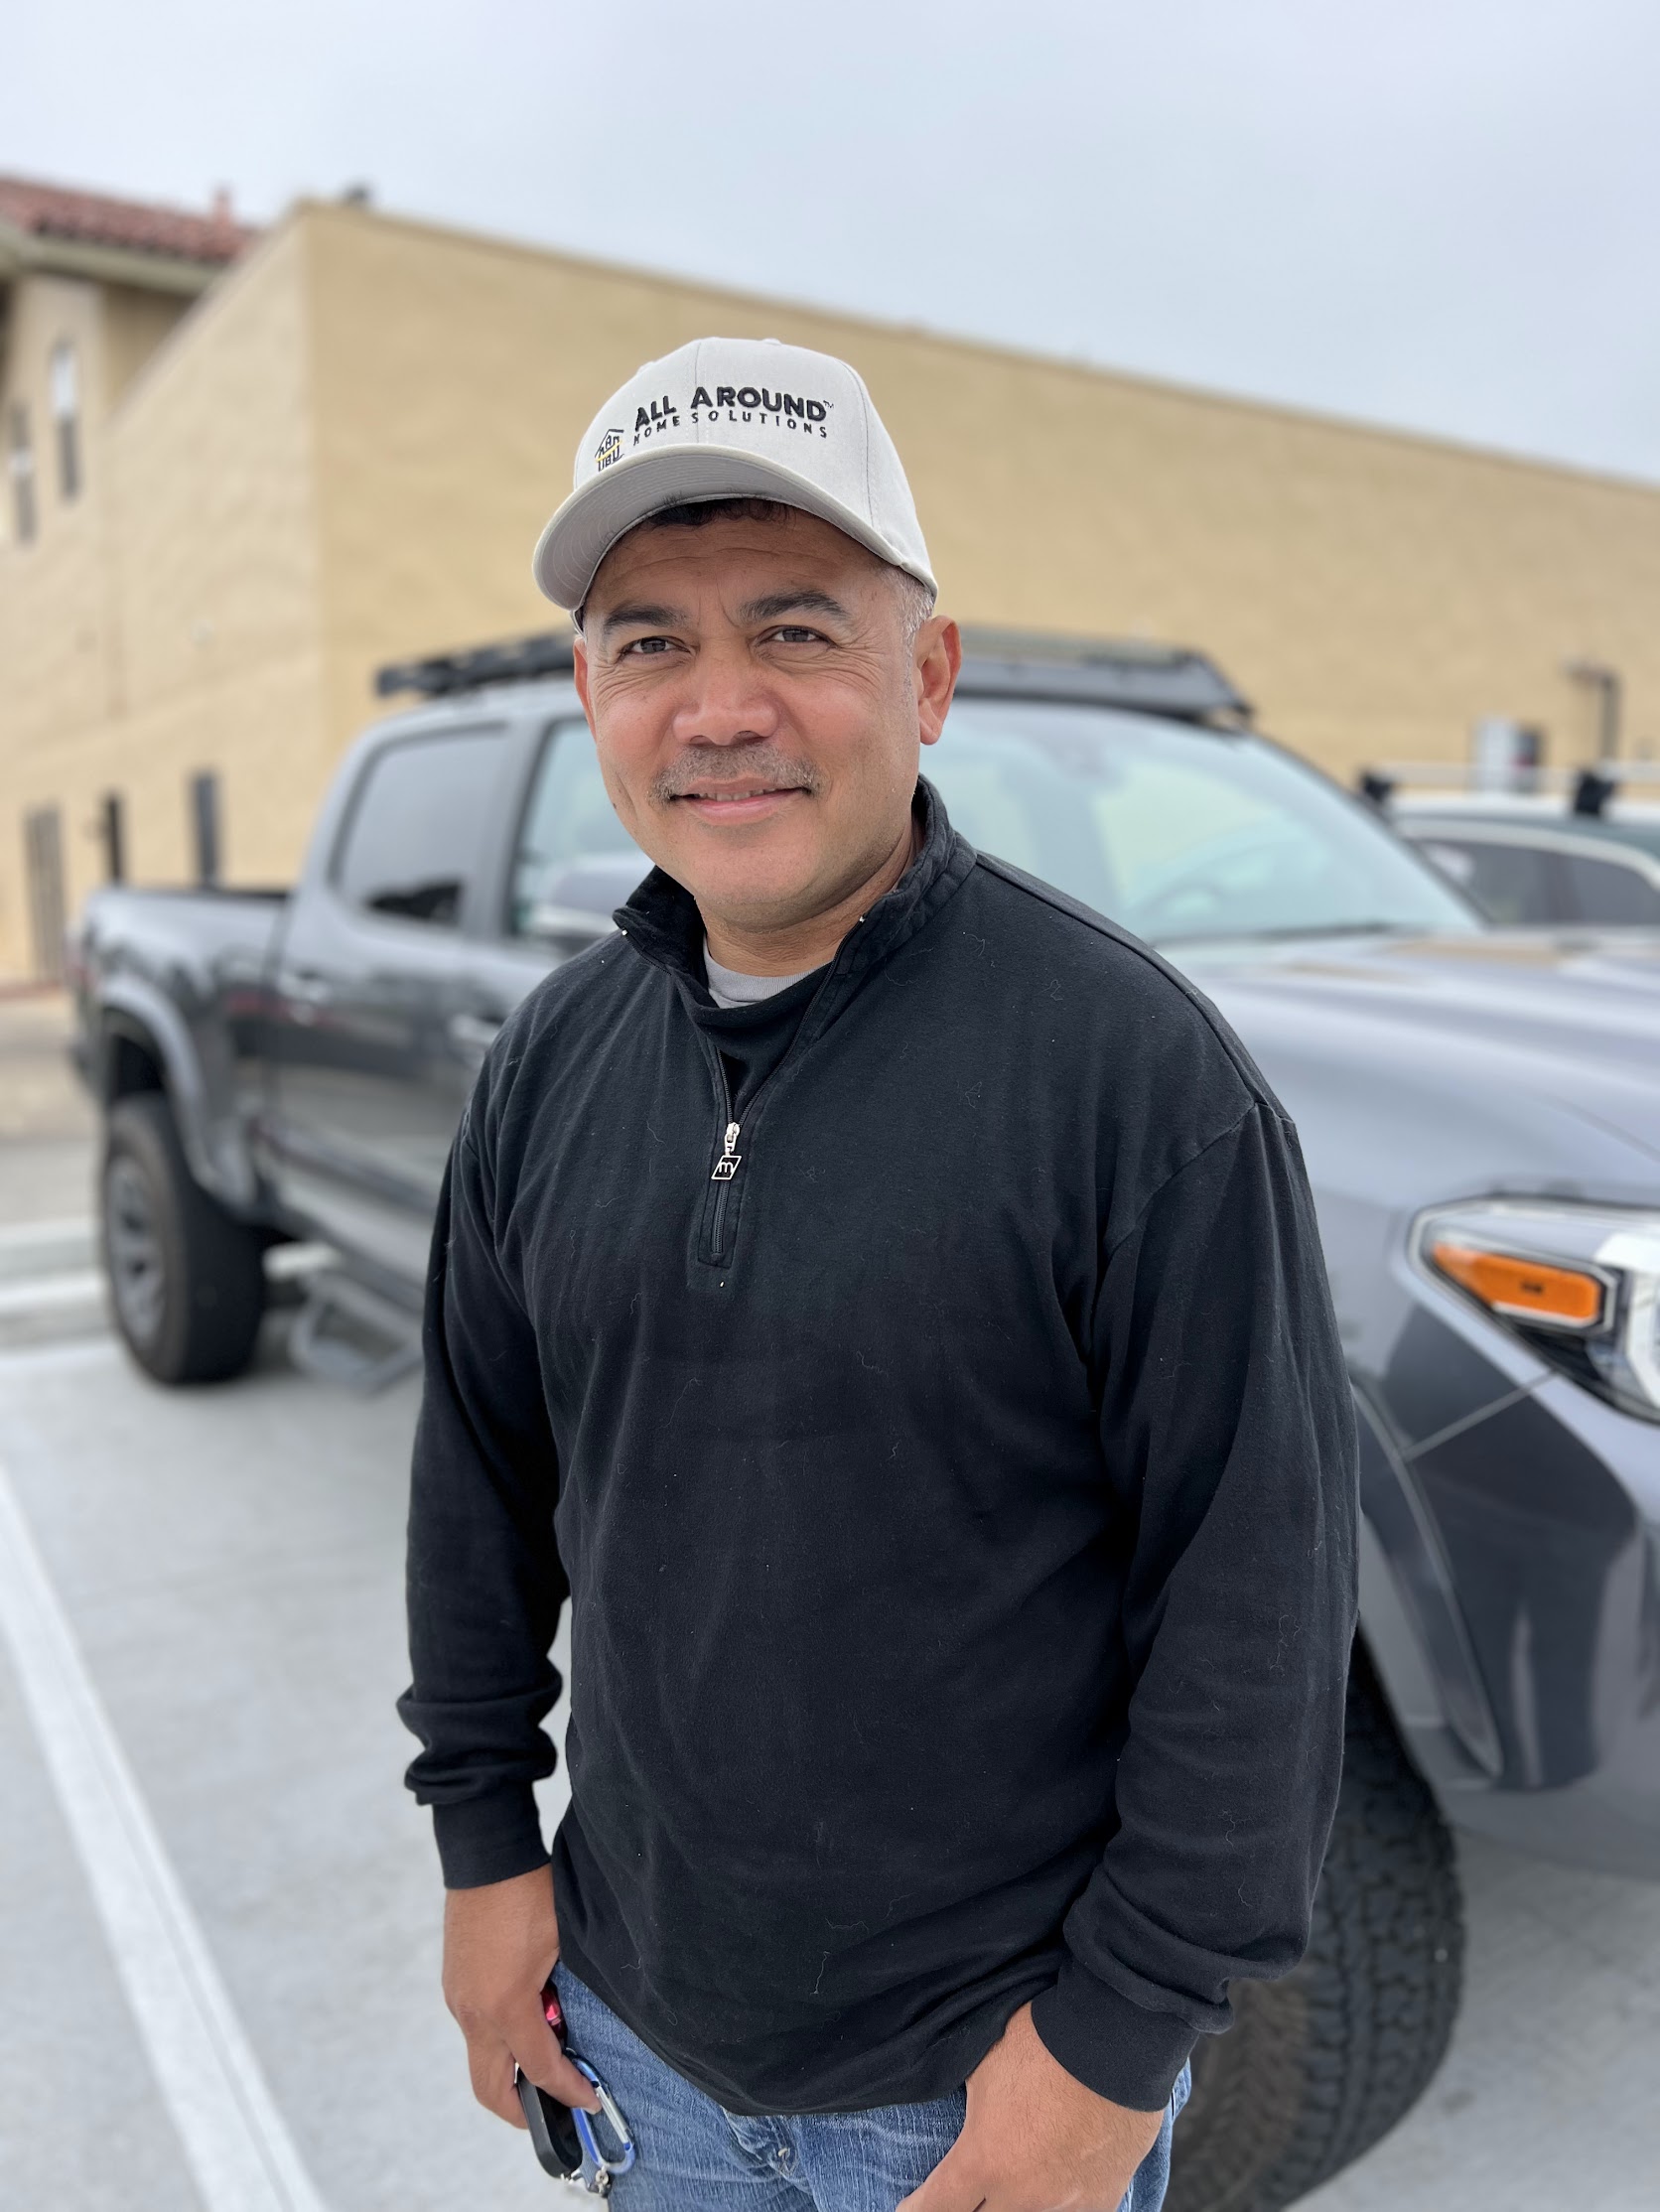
(641, 646)
(797, 634)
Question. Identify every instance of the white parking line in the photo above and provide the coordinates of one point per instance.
(233, 2136)
(83, 1287)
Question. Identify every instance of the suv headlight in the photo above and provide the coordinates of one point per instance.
(1581, 1284)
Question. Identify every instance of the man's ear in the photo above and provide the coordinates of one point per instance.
(939, 658)
(579, 677)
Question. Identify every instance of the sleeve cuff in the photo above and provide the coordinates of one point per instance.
(1117, 2048)
(489, 1839)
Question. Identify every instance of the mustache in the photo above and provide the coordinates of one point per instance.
(706, 767)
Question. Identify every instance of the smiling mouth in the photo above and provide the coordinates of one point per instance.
(732, 798)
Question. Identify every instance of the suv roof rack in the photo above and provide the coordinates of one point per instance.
(514, 660)
(1167, 680)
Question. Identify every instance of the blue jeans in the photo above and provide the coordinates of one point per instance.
(696, 2156)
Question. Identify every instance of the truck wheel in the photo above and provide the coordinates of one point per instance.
(187, 1283)
(1317, 2066)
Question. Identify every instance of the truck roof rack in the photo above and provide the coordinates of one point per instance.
(1015, 663)
(1168, 680)
(512, 660)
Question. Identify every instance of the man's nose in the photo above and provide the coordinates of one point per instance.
(727, 700)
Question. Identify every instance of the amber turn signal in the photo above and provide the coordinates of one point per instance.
(1525, 1290)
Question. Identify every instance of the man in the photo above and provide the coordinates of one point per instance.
(886, 1300)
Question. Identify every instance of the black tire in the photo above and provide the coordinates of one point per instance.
(187, 1282)
(1317, 2066)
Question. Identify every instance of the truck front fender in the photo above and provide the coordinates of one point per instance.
(1414, 1626)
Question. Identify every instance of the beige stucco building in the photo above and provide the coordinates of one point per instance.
(301, 455)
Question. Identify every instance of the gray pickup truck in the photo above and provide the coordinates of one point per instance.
(1480, 1113)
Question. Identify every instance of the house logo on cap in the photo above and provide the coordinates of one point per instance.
(609, 449)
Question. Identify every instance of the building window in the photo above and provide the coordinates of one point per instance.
(43, 858)
(112, 835)
(205, 826)
(20, 466)
(65, 416)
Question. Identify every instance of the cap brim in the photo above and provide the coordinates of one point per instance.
(569, 551)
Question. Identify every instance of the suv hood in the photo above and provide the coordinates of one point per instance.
(1508, 1061)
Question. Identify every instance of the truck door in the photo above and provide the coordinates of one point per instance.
(367, 1081)
(569, 867)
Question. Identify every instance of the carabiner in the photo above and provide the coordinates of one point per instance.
(599, 2170)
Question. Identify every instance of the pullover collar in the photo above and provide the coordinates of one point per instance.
(662, 923)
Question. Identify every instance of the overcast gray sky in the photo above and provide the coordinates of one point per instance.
(1438, 213)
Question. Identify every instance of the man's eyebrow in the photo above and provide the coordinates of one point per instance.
(804, 601)
(640, 613)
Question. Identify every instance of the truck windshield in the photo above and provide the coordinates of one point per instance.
(1178, 834)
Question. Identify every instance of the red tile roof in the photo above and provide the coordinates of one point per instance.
(92, 218)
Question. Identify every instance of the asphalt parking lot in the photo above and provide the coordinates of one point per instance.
(234, 1946)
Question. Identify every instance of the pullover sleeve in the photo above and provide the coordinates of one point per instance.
(484, 1579)
(1227, 1426)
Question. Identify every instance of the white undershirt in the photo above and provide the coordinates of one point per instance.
(732, 987)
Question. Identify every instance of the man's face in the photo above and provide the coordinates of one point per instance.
(757, 708)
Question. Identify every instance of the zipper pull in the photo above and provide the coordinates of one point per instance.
(726, 1166)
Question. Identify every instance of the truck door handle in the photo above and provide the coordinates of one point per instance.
(305, 992)
(473, 1033)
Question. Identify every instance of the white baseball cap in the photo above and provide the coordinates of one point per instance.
(729, 418)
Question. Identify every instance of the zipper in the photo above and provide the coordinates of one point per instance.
(730, 1158)
(712, 1245)
(715, 1213)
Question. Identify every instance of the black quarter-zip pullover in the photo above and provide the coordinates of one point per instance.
(948, 1456)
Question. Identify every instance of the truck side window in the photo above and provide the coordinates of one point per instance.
(575, 861)
(1613, 890)
(415, 837)
(1513, 885)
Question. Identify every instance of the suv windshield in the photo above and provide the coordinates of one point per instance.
(1178, 833)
